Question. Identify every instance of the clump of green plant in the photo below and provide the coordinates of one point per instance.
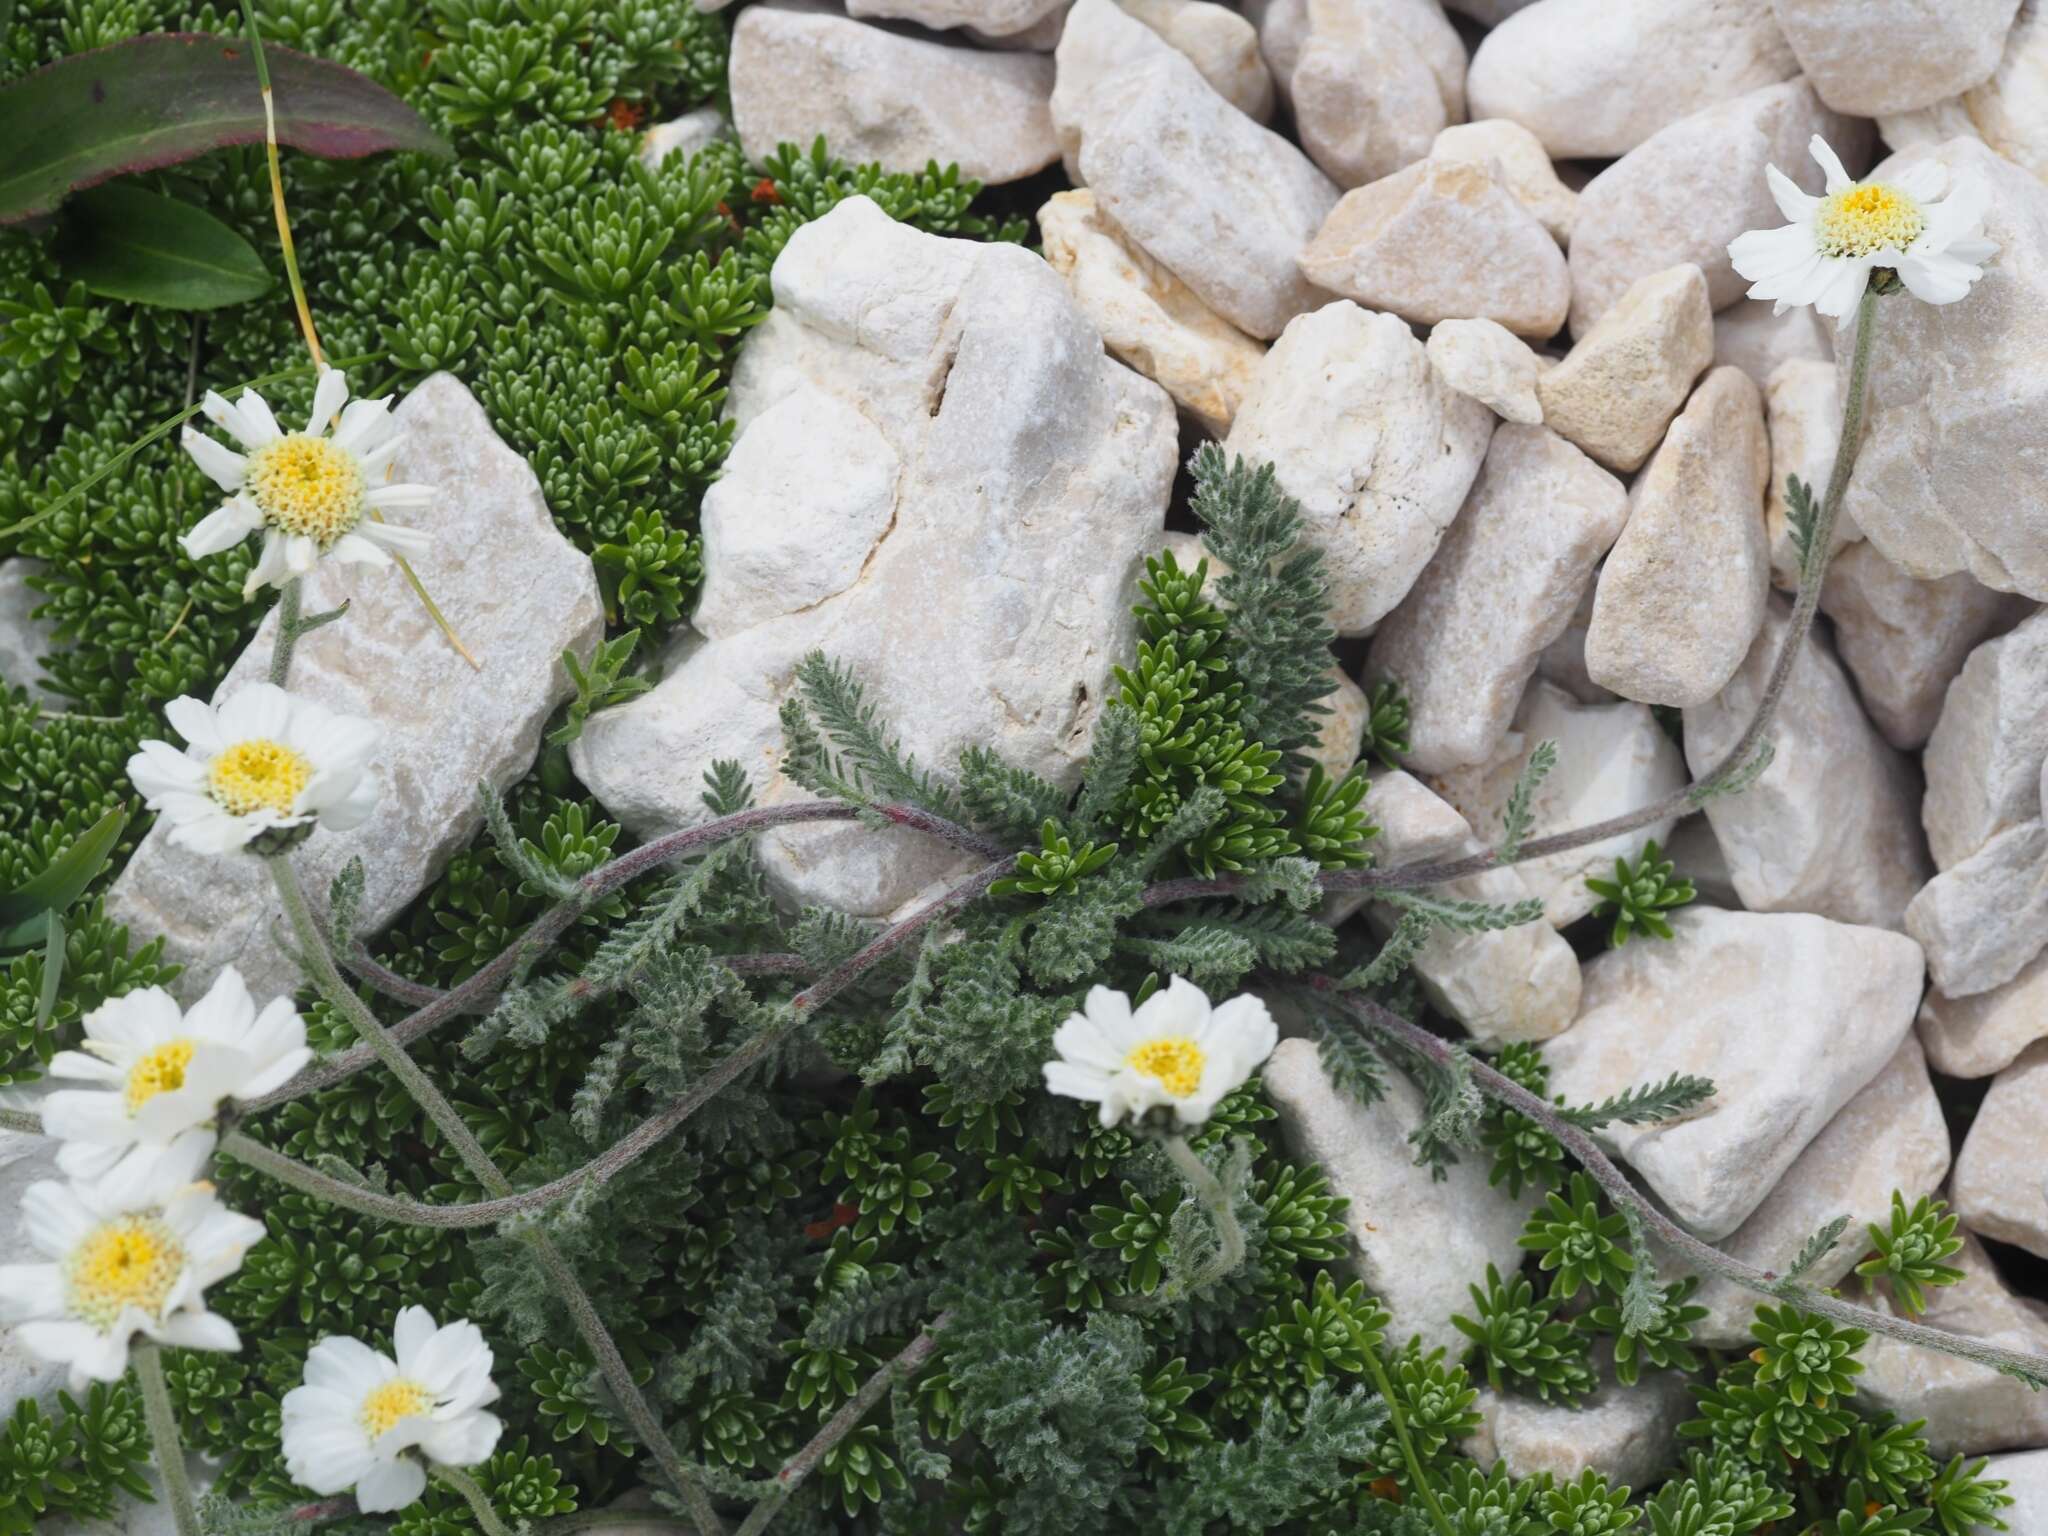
(1642, 891)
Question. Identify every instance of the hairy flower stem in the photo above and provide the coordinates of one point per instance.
(287, 641)
(487, 1518)
(1378, 1370)
(2030, 1368)
(162, 1419)
(1215, 1199)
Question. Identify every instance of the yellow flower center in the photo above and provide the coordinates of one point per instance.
(396, 1399)
(307, 485)
(162, 1070)
(1867, 218)
(260, 774)
(129, 1261)
(1174, 1059)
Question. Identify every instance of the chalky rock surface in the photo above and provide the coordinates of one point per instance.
(24, 640)
(1803, 408)
(1904, 640)
(995, 479)
(1226, 204)
(1335, 748)
(516, 591)
(1951, 477)
(1365, 1154)
(1597, 77)
(2009, 111)
(1982, 920)
(1682, 595)
(992, 18)
(1523, 161)
(1218, 42)
(1828, 825)
(1789, 1015)
(1379, 452)
(1443, 240)
(1687, 190)
(2003, 1166)
(1491, 364)
(1871, 56)
(1370, 81)
(1563, 661)
(24, 1160)
(1618, 388)
(1503, 585)
(1969, 1408)
(2025, 1476)
(1148, 317)
(1978, 1035)
(799, 70)
(683, 135)
(1890, 1136)
(1099, 39)
(1626, 1434)
(1748, 336)
(1985, 757)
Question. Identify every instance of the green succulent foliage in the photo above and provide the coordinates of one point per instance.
(1525, 1155)
(1965, 1500)
(1384, 736)
(1578, 1239)
(1588, 1507)
(1665, 1344)
(1437, 1399)
(1056, 868)
(1642, 891)
(1522, 1341)
(77, 1464)
(1805, 1355)
(1908, 1251)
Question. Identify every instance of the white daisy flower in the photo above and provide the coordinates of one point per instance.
(1174, 1051)
(160, 1074)
(265, 759)
(1825, 256)
(360, 1412)
(310, 494)
(122, 1257)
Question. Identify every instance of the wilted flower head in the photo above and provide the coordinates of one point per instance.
(1174, 1050)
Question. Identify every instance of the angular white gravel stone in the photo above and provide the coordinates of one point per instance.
(1491, 364)
(1748, 336)
(1866, 57)
(1370, 81)
(1620, 385)
(1218, 42)
(991, 18)
(1977, 1036)
(24, 640)
(1982, 920)
(2009, 111)
(683, 135)
(2001, 1184)
(1985, 756)
(1627, 1435)
(1803, 408)
(1523, 161)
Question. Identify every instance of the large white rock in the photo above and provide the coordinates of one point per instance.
(1597, 77)
(1418, 1241)
(1803, 407)
(799, 70)
(1443, 240)
(684, 135)
(992, 18)
(1218, 42)
(1147, 316)
(1985, 757)
(1977, 1036)
(24, 1160)
(1503, 585)
(1982, 920)
(2009, 111)
(1748, 336)
(1563, 661)
(1828, 826)
(1620, 385)
(1370, 81)
(1491, 364)
(1099, 39)
(1379, 452)
(2001, 1183)
(24, 639)
(1697, 853)
(1789, 1016)
(516, 591)
(1871, 56)
(1226, 204)
(1523, 161)
(1950, 478)
(1681, 598)
(1690, 188)
(986, 608)
(1627, 1435)
(2025, 1476)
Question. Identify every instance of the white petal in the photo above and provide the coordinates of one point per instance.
(301, 553)
(364, 425)
(353, 549)
(409, 1335)
(269, 565)
(260, 419)
(390, 1485)
(1071, 1081)
(1179, 1008)
(221, 464)
(198, 1330)
(1923, 180)
(1244, 1027)
(402, 496)
(1831, 163)
(462, 1441)
(329, 396)
(347, 1366)
(1110, 1012)
(407, 541)
(225, 1012)
(193, 720)
(1797, 206)
(90, 1120)
(230, 418)
(1844, 288)
(31, 1290)
(1938, 279)
(221, 529)
(1081, 1040)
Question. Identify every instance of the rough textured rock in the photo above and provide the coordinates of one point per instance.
(991, 18)
(1597, 77)
(516, 592)
(1491, 364)
(1748, 336)
(1031, 476)
(1977, 1036)
(1443, 240)
(1365, 1154)
(24, 640)
(1379, 452)
(1618, 388)
(1803, 406)
(1218, 42)
(1503, 585)
(1100, 39)
(1905, 641)
(1789, 1015)
(1336, 745)
(1523, 162)
(1894, 55)
(1690, 188)
(1564, 660)
(1982, 920)
(1626, 1434)
(1370, 81)
(1950, 477)
(799, 70)
(24, 1159)
(2003, 1165)
(1696, 851)
(1828, 825)
(1224, 203)
(683, 135)
(2009, 111)
(1682, 596)
(1985, 757)
(1147, 316)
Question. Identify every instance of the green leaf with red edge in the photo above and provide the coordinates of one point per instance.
(168, 97)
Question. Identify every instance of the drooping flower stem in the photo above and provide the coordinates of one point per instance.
(487, 1518)
(288, 599)
(1215, 1199)
(162, 1419)
(1377, 1369)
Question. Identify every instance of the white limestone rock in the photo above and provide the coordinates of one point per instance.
(1100, 39)
(1697, 853)
(2009, 111)
(683, 135)
(1985, 756)
(1378, 451)
(1338, 734)
(1224, 203)
(1418, 1241)
(1627, 1435)
(1370, 81)
(1218, 42)
(1503, 585)
(516, 591)
(1748, 336)
(1443, 240)
(1597, 77)
(1979, 1035)
(1563, 661)
(1982, 920)
(1950, 478)
(1148, 317)
(1490, 363)
(1620, 385)
(1828, 826)
(1789, 1015)
(990, 18)
(2001, 1182)
(2025, 1476)
(986, 608)
(25, 1159)
(1803, 407)
(1905, 640)
(1867, 57)
(24, 639)
(799, 70)
(1523, 162)
(1690, 188)
(1682, 596)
